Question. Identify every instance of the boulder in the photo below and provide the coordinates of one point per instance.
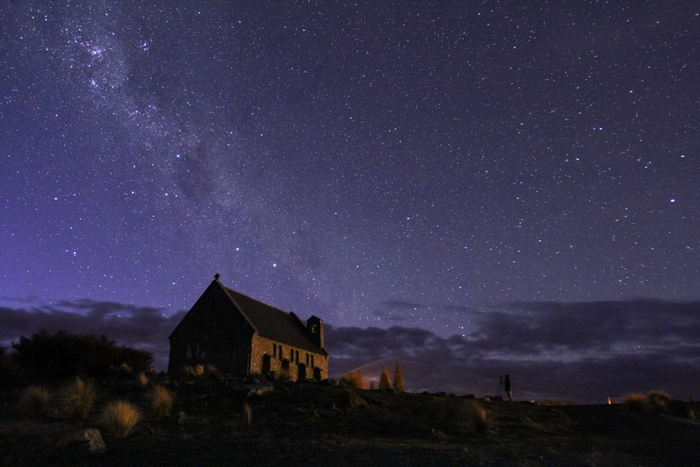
(87, 441)
(260, 389)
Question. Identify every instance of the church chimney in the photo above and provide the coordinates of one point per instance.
(315, 327)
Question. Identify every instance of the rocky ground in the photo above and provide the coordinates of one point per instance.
(319, 424)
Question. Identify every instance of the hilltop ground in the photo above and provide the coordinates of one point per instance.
(310, 424)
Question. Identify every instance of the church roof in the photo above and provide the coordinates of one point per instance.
(273, 323)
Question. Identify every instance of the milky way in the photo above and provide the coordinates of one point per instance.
(374, 165)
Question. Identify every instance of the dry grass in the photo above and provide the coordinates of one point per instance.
(78, 399)
(33, 401)
(161, 400)
(482, 419)
(636, 401)
(119, 418)
(247, 413)
(196, 370)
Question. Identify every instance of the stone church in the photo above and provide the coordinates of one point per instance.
(241, 336)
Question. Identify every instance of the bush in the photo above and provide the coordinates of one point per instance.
(636, 402)
(10, 372)
(354, 380)
(161, 401)
(119, 418)
(78, 399)
(63, 355)
(33, 401)
(659, 400)
(196, 370)
(142, 379)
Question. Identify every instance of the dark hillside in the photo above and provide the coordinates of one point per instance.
(320, 424)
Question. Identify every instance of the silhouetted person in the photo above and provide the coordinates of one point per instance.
(506, 386)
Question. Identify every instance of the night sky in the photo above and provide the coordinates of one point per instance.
(472, 188)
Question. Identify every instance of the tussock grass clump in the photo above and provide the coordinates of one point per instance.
(33, 401)
(482, 419)
(636, 402)
(119, 418)
(78, 399)
(247, 414)
(161, 400)
(196, 370)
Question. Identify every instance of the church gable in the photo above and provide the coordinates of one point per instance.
(240, 335)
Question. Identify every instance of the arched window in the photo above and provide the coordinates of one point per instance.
(307, 358)
(291, 355)
(296, 357)
(280, 354)
(312, 362)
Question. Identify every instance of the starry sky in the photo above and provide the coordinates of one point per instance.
(504, 185)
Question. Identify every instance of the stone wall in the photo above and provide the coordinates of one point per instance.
(286, 361)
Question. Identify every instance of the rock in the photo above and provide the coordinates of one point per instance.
(88, 441)
(143, 431)
(260, 389)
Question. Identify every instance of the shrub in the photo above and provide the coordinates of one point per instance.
(142, 380)
(353, 380)
(63, 355)
(33, 401)
(659, 400)
(636, 402)
(119, 418)
(196, 370)
(161, 401)
(78, 399)
(10, 372)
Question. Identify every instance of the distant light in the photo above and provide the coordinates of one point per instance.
(673, 200)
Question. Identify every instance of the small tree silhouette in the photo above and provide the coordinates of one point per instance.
(384, 383)
(398, 379)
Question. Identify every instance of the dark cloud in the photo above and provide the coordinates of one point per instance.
(582, 352)
(578, 351)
